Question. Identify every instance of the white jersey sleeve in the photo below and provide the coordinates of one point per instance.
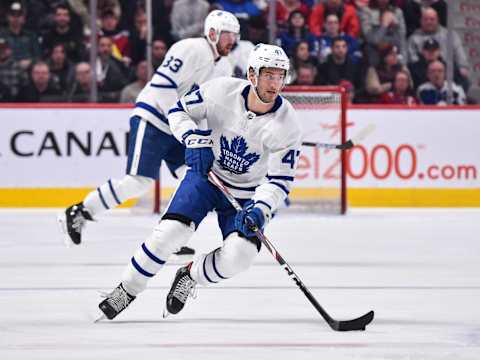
(188, 113)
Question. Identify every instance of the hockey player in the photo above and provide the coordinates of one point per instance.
(251, 134)
(187, 64)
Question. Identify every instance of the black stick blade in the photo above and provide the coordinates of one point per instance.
(345, 146)
(352, 325)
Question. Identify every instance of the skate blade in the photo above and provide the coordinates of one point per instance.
(62, 223)
(100, 318)
(165, 313)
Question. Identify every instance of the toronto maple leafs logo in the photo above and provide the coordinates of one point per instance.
(234, 156)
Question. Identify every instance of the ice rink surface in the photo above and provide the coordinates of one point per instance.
(418, 269)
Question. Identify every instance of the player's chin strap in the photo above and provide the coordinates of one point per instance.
(213, 46)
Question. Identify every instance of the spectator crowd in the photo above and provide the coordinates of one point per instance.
(380, 51)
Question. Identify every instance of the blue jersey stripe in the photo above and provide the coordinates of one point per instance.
(152, 110)
(140, 270)
(176, 109)
(205, 271)
(102, 198)
(151, 255)
(215, 267)
(171, 85)
(237, 187)
(113, 192)
(285, 190)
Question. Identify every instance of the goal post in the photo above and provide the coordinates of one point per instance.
(320, 183)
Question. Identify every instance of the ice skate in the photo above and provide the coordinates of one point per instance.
(72, 221)
(115, 302)
(182, 288)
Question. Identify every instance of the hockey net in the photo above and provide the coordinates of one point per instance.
(320, 184)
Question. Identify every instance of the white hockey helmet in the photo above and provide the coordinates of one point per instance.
(220, 20)
(264, 55)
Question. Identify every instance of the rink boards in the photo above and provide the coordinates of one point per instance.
(51, 156)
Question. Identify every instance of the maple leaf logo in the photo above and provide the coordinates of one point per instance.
(234, 156)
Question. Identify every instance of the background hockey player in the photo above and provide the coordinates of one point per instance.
(187, 64)
(251, 133)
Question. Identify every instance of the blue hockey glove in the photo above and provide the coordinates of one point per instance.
(198, 153)
(249, 218)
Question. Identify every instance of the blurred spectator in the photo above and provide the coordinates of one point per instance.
(63, 33)
(238, 57)
(431, 52)
(242, 9)
(301, 55)
(138, 37)
(111, 73)
(331, 31)
(430, 28)
(402, 92)
(306, 74)
(339, 67)
(80, 90)
(130, 92)
(435, 90)
(5, 95)
(120, 38)
(349, 22)
(41, 88)
(187, 18)
(286, 7)
(380, 78)
(61, 68)
(387, 27)
(412, 10)
(12, 75)
(24, 44)
(297, 31)
(374, 18)
(159, 49)
(257, 30)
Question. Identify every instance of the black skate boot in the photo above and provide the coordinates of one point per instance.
(72, 221)
(115, 302)
(182, 287)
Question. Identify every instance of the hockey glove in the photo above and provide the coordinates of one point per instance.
(198, 153)
(251, 218)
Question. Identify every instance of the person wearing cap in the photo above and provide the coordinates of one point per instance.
(23, 43)
(431, 52)
(12, 75)
(435, 90)
(431, 28)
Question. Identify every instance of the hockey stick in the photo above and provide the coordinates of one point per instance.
(346, 145)
(337, 325)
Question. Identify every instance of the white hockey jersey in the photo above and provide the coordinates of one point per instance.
(255, 154)
(187, 64)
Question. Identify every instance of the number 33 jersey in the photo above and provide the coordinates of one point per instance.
(255, 154)
(187, 64)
